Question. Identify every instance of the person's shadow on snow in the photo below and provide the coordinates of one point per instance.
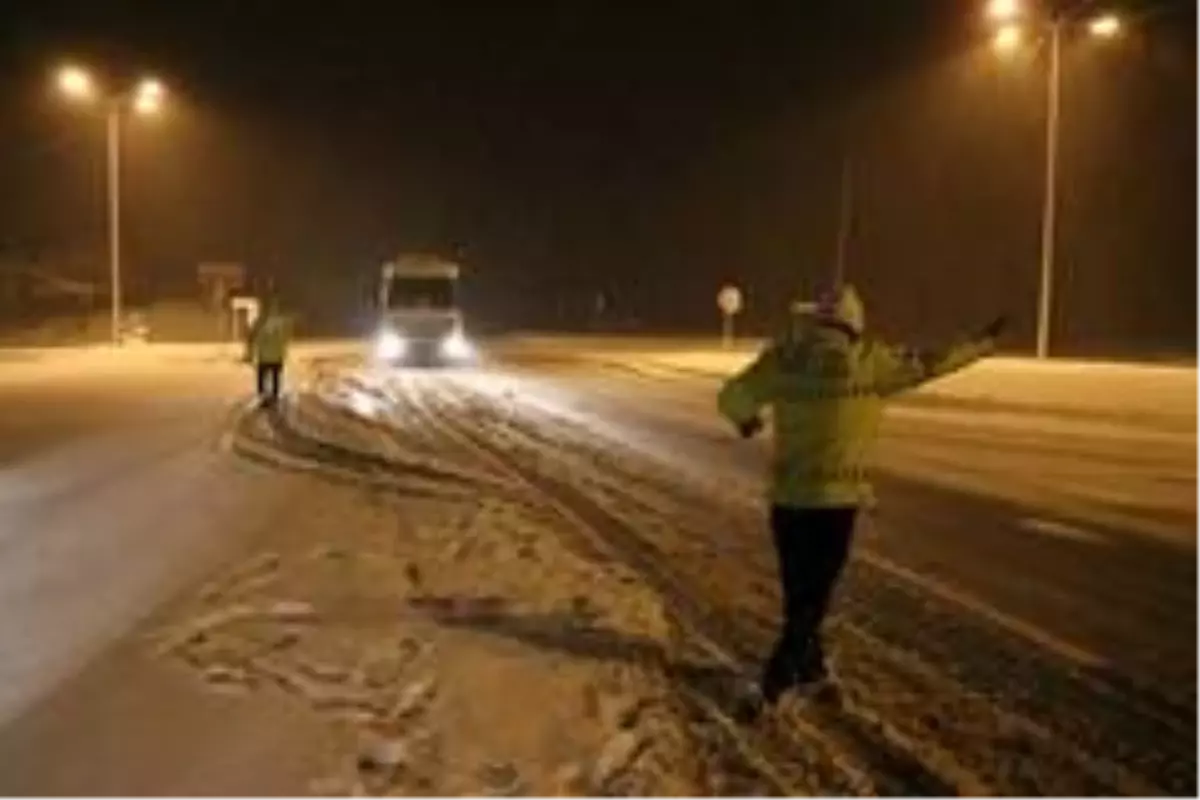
(575, 633)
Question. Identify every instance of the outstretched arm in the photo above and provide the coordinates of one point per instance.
(899, 369)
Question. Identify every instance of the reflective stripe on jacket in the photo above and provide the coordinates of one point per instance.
(827, 393)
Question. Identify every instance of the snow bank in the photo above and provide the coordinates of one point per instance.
(1158, 395)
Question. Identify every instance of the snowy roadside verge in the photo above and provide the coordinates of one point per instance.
(138, 356)
(450, 646)
(1145, 395)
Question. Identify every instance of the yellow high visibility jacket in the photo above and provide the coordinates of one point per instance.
(269, 338)
(827, 391)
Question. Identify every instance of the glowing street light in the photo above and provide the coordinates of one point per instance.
(1007, 39)
(76, 83)
(1004, 10)
(148, 99)
(151, 86)
(145, 99)
(1105, 26)
(147, 104)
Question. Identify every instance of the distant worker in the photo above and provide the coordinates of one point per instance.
(826, 387)
(266, 347)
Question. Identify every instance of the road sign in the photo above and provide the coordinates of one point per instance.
(729, 300)
(243, 304)
(245, 311)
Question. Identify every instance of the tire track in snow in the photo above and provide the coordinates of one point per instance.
(1126, 720)
(564, 448)
(1095, 772)
(842, 768)
(905, 681)
(770, 768)
(767, 767)
(890, 753)
(253, 441)
(750, 752)
(289, 438)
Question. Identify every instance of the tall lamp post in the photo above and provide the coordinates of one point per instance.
(1012, 20)
(146, 99)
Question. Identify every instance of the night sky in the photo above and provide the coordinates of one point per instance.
(648, 150)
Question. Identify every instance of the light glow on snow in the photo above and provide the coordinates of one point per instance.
(363, 404)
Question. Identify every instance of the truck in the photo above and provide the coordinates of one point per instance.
(420, 319)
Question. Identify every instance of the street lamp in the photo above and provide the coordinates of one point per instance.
(76, 83)
(1007, 38)
(146, 98)
(1004, 10)
(151, 87)
(1105, 26)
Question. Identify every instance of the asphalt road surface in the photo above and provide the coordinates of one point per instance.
(101, 459)
(1019, 616)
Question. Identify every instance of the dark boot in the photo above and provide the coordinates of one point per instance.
(812, 667)
(815, 682)
(784, 673)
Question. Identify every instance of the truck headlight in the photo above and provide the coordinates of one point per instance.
(456, 346)
(390, 346)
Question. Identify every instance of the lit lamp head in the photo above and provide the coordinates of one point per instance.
(76, 83)
(1004, 10)
(1105, 26)
(148, 99)
(1007, 39)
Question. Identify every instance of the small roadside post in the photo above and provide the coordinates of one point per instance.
(729, 301)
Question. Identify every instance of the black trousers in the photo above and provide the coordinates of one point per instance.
(270, 378)
(812, 545)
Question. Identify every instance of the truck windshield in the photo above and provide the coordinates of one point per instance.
(421, 293)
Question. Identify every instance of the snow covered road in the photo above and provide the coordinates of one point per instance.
(548, 575)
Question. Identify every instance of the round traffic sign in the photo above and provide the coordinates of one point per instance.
(729, 300)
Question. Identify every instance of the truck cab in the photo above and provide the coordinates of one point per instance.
(420, 320)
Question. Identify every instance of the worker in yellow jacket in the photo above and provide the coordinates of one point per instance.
(267, 346)
(826, 387)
